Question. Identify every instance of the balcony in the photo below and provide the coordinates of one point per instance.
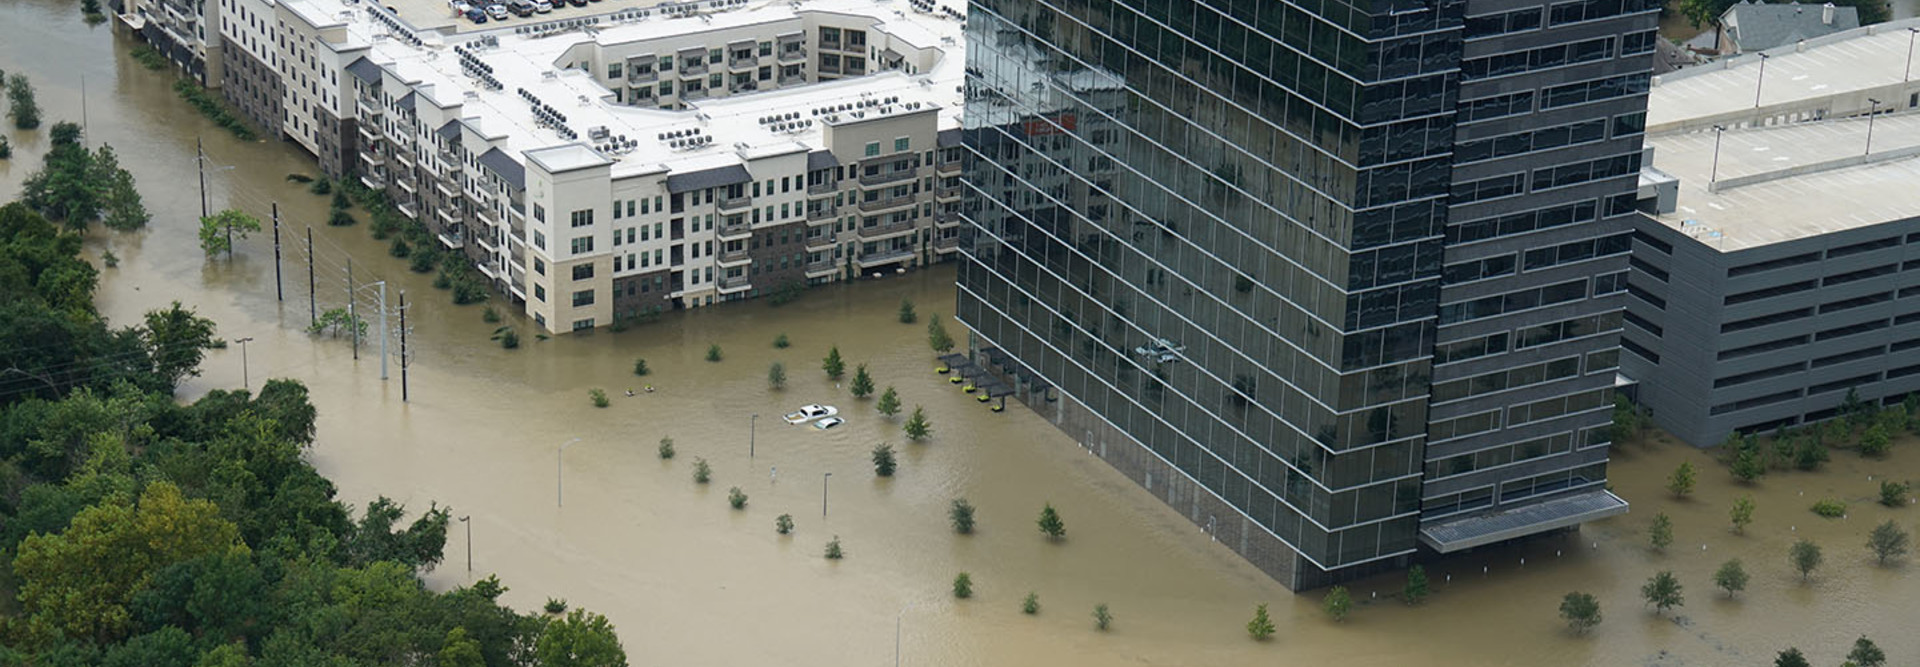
(791, 80)
(490, 269)
(743, 87)
(405, 181)
(446, 191)
(888, 229)
(833, 45)
(884, 257)
(404, 157)
(886, 203)
(823, 188)
(693, 94)
(949, 167)
(734, 283)
(369, 108)
(792, 55)
(734, 204)
(944, 219)
(822, 241)
(737, 62)
(648, 76)
(693, 68)
(821, 267)
(885, 177)
(373, 180)
(741, 228)
(406, 209)
(373, 158)
(738, 256)
(447, 162)
(369, 132)
(822, 213)
(446, 217)
(453, 239)
(948, 244)
(947, 192)
(484, 239)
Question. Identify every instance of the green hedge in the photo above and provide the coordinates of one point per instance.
(212, 109)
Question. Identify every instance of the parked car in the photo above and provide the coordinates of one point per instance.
(497, 12)
(578, 3)
(808, 413)
(521, 8)
(476, 15)
(542, 6)
(828, 423)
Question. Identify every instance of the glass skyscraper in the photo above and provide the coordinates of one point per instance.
(1334, 281)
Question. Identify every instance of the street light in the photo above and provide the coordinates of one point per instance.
(753, 424)
(246, 383)
(823, 494)
(1714, 175)
(1908, 73)
(558, 489)
(1762, 78)
(1871, 112)
(464, 520)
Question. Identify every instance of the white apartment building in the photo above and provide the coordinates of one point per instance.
(596, 167)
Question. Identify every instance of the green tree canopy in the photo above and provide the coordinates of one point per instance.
(582, 639)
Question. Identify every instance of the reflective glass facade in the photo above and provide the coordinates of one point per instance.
(1240, 249)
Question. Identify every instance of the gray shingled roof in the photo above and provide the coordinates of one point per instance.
(498, 161)
(948, 138)
(450, 131)
(1760, 26)
(708, 178)
(1557, 512)
(821, 159)
(406, 102)
(365, 70)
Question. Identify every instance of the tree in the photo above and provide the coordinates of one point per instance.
(1338, 603)
(963, 586)
(1101, 616)
(217, 231)
(1680, 483)
(1892, 493)
(119, 200)
(1581, 611)
(1805, 557)
(1791, 658)
(599, 397)
(581, 639)
(21, 106)
(1731, 577)
(1887, 541)
(1050, 523)
(459, 650)
(889, 404)
(713, 352)
(1741, 514)
(1416, 588)
(862, 382)
(640, 367)
(737, 498)
(833, 365)
(1030, 605)
(702, 472)
(777, 375)
(666, 448)
(906, 311)
(833, 551)
(1261, 627)
(937, 337)
(1663, 591)
(419, 546)
(1866, 654)
(961, 515)
(68, 187)
(883, 463)
(176, 340)
(1660, 534)
(1747, 465)
(783, 524)
(1875, 441)
(917, 427)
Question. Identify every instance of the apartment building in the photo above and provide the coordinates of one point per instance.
(1776, 266)
(249, 76)
(598, 167)
(186, 32)
(1278, 283)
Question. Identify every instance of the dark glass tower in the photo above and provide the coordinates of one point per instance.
(1312, 273)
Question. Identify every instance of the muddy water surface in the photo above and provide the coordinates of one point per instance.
(690, 581)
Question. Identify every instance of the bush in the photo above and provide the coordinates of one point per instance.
(834, 552)
(1830, 508)
(556, 606)
(963, 586)
(1101, 617)
(1338, 603)
(1893, 494)
(1261, 627)
(321, 186)
(211, 107)
(1887, 541)
(490, 316)
(148, 58)
(713, 352)
(1416, 588)
(666, 448)
(701, 471)
(1680, 483)
(443, 281)
(777, 376)
(906, 312)
(783, 524)
(889, 404)
(737, 498)
(1660, 533)
(109, 259)
(21, 105)
(1050, 523)
(780, 342)
(1581, 611)
(640, 367)
(1030, 605)
(1741, 514)
(399, 248)
(961, 515)
(421, 262)
(508, 338)
(599, 397)
(917, 426)
(786, 293)
(1875, 442)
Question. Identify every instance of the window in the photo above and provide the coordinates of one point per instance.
(539, 240)
(540, 266)
(613, 70)
(873, 148)
(901, 144)
(582, 244)
(583, 298)
(540, 292)
(583, 271)
(539, 213)
(582, 325)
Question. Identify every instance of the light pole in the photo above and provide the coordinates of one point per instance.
(1759, 80)
(823, 494)
(246, 383)
(1715, 174)
(1908, 72)
(558, 489)
(896, 633)
(753, 424)
(1871, 112)
(464, 520)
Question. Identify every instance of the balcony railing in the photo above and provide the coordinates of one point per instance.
(885, 177)
(823, 188)
(886, 203)
(693, 94)
(737, 62)
(823, 213)
(739, 203)
(884, 256)
(887, 229)
(949, 167)
(649, 76)
(822, 241)
(731, 256)
(700, 68)
(373, 157)
(947, 192)
(817, 267)
(792, 55)
(944, 219)
(735, 229)
(370, 109)
(743, 87)
(946, 244)
(452, 239)
(406, 209)
(734, 282)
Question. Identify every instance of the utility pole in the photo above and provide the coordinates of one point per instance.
(1760, 79)
(279, 289)
(200, 165)
(383, 329)
(465, 520)
(1714, 174)
(353, 316)
(752, 426)
(245, 382)
(1870, 114)
(823, 494)
(313, 304)
(403, 346)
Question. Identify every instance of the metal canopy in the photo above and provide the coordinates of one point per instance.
(1556, 512)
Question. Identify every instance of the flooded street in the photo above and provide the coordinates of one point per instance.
(690, 581)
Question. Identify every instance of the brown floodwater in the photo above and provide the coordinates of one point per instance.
(690, 581)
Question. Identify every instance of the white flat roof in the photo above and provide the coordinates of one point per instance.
(534, 63)
(1840, 63)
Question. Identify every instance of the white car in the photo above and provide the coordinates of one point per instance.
(828, 423)
(497, 12)
(808, 413)
(542, 6)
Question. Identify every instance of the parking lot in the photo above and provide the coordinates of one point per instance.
(437, 14)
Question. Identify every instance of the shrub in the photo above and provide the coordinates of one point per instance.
(21, 105)
(1261, 627)
(783, 524)
(701, 471)
(917, 426)
(151, 59)
(1680, 483)
(1663, 591)
(1887, 541)
(1875, 441)
(599, 397)
(1050, 523)
(883, 463)
(961, 515)
(399, 248)
(443, 280)
(1731, 577)
(421, 262)
(777, 376)
(963, 586)
(640, 367)
(737, 498)
(1581, 611)
(508, 338)
(1892, 494)
(906, 312)
(1030, 605)
(666, 448)
(1741, 514)
(713, 352)
(321, 186)
(1805, 557)
(1416, 588)
(1101, 616)
(780, 342)
(889, 404)
(556, 606)
(1830, 508)
(834, 552)
(211, 107)
(1660, 534)
(109, 259)
(1338, 603)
